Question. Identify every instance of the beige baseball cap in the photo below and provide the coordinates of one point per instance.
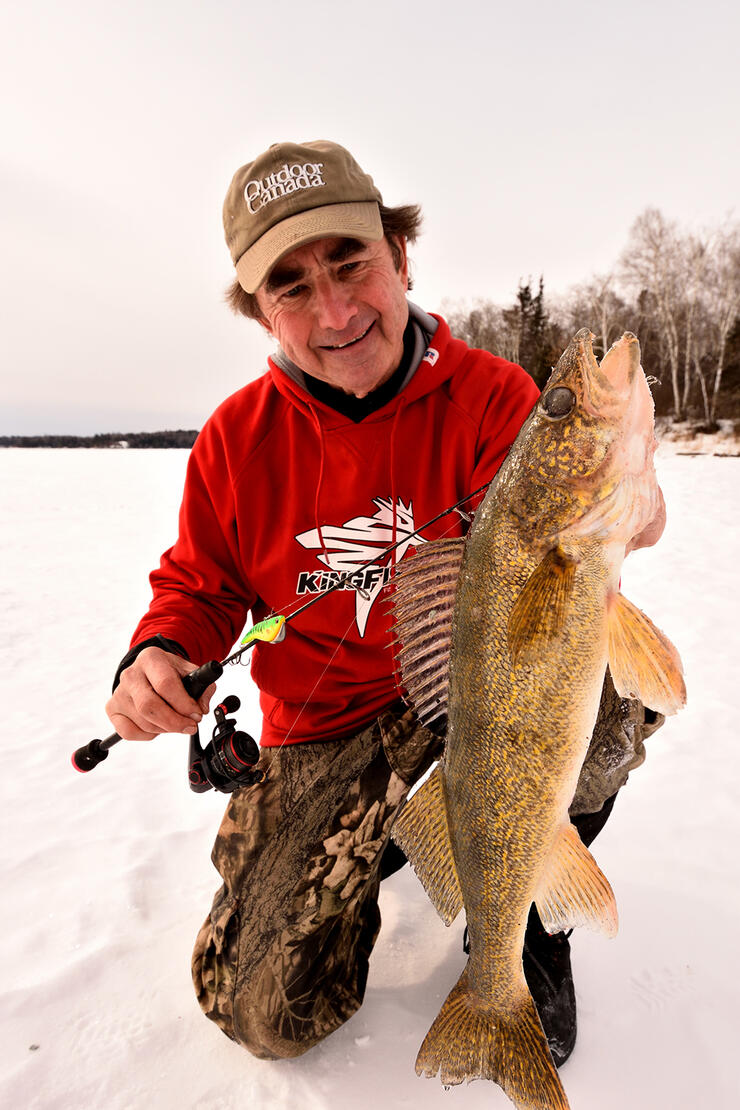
(290, 195)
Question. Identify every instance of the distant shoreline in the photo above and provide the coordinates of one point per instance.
(692, 437)
(120, 440)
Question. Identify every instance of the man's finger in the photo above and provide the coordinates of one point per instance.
(165, 679)
(205, 698)
(153, 710)
(145, 716)
(126, 728)
(653, 531)
(136, 700)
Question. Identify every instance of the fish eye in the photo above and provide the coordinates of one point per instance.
(558, 402)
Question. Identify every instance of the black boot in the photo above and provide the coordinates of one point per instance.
(392, 860)
(546, 961)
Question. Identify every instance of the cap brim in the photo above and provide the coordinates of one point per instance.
(358, 220)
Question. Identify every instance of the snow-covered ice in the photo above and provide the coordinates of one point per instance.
(106, 877)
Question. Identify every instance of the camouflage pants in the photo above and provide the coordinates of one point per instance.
(282, 959)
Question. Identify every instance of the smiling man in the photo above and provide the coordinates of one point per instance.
(370, 420)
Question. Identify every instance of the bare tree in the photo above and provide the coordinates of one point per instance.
(654, 262)
(723, 301)
(693, 253)
(487, 326)
(596, 305)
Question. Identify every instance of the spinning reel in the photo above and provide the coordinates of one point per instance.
(227, 761)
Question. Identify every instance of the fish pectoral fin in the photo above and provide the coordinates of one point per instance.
(472, 1038)
(643, 662)
(539, 611)
(422, 831)
(422, 603)
(574, 891)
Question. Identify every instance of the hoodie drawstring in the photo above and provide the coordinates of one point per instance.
(401, 405)
(322, 459)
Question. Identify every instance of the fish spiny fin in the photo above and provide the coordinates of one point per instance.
(643, 661)
(574, 890)
(539, 611)
(471, 1039)
(423, 601)
(423, 833)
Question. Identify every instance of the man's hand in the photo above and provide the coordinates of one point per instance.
(652, 532)
(151, 699)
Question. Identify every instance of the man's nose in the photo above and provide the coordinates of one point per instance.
(335, 308)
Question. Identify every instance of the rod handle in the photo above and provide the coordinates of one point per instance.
(196, 683)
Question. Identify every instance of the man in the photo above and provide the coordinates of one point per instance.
(370, 420)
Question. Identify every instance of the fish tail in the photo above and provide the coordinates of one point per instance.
(473, 1039)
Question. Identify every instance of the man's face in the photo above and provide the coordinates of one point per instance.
(338, 309)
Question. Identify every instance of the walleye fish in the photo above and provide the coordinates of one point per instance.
(509, 632)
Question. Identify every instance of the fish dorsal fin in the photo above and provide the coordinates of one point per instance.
(422, 606)
(422, 831)
(539, 611)
(643, 661)
(573, 890)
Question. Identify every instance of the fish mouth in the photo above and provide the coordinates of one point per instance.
(621, 363)
(611, 381)
(603, 389)
(350, 342)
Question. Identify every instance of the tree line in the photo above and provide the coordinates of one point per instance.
(679, 292)
(179, 438)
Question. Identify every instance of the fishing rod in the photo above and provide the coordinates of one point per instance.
(226, 763)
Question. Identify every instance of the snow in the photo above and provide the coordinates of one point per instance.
(106, 877)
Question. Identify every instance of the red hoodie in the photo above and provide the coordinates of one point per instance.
(283, 494)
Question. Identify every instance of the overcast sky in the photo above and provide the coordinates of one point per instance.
(532, 135)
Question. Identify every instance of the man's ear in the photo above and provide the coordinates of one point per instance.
(403, 262)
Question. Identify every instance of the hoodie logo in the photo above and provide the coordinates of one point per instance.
(346, 547)
(430, 355)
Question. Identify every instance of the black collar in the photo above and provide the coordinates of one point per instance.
(357, 408)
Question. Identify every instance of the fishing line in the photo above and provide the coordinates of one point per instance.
(315, 686)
